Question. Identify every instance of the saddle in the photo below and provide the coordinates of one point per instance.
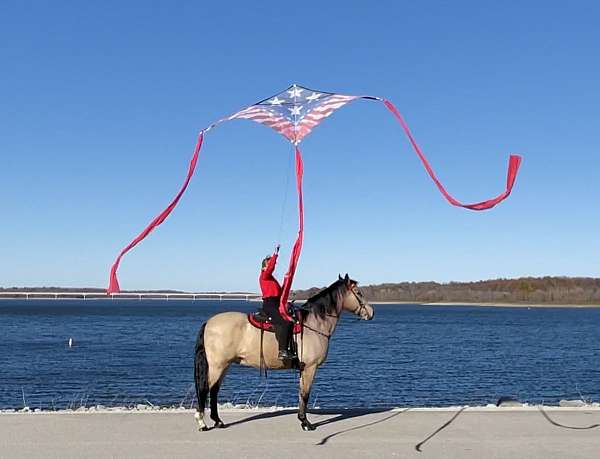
(263, 322)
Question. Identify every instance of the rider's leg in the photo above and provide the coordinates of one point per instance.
(283, 331)
(282, 327)
(282, 335)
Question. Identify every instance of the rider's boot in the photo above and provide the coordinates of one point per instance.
(284, 355)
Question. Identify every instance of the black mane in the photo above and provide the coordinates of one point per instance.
(326, 301)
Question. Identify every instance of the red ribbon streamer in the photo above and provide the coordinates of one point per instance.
(513, 167)
(289, 277)
(113, 286)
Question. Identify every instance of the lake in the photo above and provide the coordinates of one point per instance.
(128, 351)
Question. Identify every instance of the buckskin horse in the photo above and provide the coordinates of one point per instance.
(229, 337)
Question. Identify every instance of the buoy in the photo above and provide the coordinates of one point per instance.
(70, 342)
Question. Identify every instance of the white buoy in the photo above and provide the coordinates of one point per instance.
(70, 342)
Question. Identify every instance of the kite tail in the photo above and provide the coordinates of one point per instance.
(513, 167)
(113, 286)
(289, 277)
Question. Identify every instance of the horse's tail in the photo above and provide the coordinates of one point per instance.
(201, 370)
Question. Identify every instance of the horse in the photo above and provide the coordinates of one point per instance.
(228, 338)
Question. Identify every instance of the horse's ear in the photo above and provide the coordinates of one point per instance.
(339, 277)
(347, 279)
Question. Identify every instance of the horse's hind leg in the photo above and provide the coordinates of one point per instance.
(216, 377)
(214, 405)
(306, 380)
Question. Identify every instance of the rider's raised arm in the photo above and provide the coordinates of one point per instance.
(270, 266)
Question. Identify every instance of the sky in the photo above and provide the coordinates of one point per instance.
(101, 103)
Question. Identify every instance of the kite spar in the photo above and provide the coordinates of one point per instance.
(294, 113)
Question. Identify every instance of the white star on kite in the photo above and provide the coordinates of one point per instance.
(276, 101)
(295, 110)
(313, 96)
(294, 92)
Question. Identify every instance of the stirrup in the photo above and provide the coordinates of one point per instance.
(286, 355)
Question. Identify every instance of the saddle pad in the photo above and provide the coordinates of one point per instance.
(268, 326)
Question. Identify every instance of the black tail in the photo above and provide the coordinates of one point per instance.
(201, 370)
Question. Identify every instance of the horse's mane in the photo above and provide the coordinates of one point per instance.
(325, 302)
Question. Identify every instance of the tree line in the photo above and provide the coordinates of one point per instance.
(525, 290)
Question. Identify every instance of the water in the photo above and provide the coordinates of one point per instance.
(129, 352)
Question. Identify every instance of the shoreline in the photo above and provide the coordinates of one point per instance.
(512, 305)
(572, 405)
(488, 305)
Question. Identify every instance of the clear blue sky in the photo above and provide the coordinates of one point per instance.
(100, 104)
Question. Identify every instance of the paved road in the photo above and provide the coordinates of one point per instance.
(441, 433)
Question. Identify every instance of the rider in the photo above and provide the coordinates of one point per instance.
(271, 292)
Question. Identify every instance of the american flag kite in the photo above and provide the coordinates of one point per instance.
(294, 113)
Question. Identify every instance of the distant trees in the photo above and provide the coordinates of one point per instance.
(526, 290)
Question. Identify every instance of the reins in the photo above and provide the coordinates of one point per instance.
(318, 332)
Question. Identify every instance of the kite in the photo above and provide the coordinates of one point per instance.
(294, 113)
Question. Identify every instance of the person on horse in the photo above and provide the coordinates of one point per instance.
(271, 293)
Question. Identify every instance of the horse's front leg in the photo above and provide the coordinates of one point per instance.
(306, 380)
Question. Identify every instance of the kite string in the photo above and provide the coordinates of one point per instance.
(285, 198)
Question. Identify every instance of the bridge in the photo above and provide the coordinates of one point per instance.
(128, 296)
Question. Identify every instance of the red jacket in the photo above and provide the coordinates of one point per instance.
(268, 284)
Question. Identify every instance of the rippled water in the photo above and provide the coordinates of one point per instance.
(128, 352)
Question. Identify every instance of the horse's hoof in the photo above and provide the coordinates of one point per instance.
(219, 425)
(204, 429)
(307, 426)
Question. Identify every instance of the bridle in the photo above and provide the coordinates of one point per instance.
(361, 304)
(357, 312)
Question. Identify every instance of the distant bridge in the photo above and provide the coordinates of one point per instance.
(129, 296)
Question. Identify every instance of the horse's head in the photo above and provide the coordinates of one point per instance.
(354, 301)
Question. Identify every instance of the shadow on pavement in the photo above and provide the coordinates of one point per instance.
(562, 426)
(339, 415)
(353, 414)
(256, 417)
(439, 429)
